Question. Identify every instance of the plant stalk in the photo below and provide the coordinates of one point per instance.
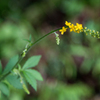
(32, 44)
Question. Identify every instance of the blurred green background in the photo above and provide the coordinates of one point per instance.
(71, 71)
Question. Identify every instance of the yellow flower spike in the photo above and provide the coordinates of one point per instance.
(63, 30)
(79, 28)
(67, 23)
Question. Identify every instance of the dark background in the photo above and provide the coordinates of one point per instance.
(71, 71)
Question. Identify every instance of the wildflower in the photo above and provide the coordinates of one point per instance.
(63, 30)
(72, 27)
(79, 28)
(67, 23)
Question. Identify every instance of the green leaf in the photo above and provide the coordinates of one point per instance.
(34, 74)
(10, 64)
(0, 67)
(30, 38)
(30, 79)
(14, 81)
(26, 40)
(32, 62)
(4, 89)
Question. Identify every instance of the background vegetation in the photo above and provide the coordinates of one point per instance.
(71, 71)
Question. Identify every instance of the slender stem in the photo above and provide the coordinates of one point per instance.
(32, 44)
(42, 38)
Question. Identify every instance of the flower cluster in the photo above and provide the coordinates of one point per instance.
(76, 28)
(79, 28)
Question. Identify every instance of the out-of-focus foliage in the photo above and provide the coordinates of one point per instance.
(70, 70)
(65, 92)
(12, 35)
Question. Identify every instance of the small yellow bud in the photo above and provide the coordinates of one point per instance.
(84, 30)
(97, 32)
(93, 31)
(90, 33)
(89, 30)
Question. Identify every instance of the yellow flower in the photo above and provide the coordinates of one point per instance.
(67, 23)
(79, 26)
(63, 30)
(72, 27)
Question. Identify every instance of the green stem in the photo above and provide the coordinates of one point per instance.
(32, 44)
(42, 38)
